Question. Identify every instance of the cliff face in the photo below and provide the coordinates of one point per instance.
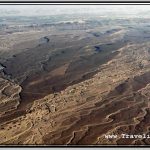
(9, 97)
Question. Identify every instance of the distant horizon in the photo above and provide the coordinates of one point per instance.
(48, 10)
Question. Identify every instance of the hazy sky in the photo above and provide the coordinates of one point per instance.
(30, 10)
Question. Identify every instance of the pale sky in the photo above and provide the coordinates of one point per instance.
(30, 10)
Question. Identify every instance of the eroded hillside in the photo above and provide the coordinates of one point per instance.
(72, 83)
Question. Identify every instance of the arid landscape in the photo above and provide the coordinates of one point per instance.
(70, 75)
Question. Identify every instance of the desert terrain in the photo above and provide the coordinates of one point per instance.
(72, 79)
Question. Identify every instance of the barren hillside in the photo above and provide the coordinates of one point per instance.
(74, 82)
